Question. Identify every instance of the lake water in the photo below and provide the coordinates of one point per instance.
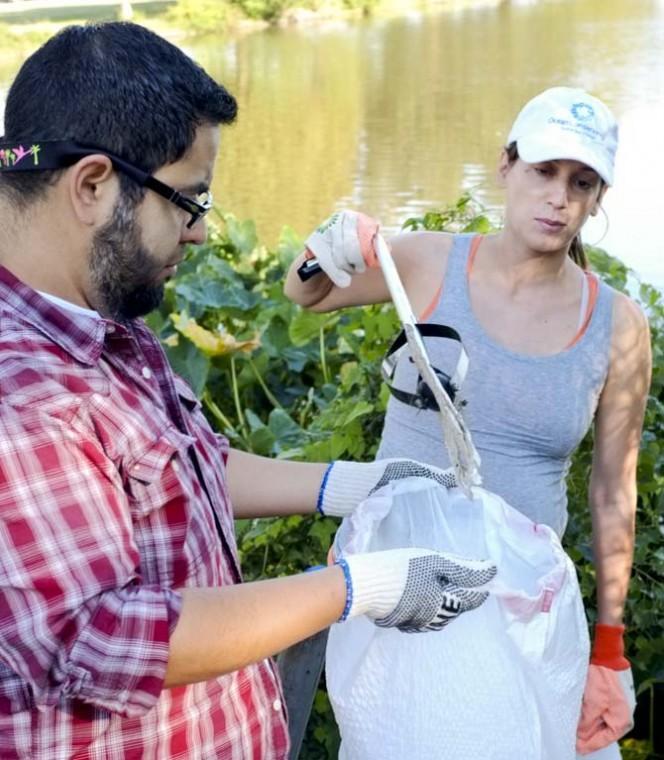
(397, 116)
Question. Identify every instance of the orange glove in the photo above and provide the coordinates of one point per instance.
(607, 712)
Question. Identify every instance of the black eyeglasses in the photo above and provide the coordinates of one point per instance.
(51, 155)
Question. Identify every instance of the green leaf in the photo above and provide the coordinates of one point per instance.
(255, 422)
(242, 234)
(190, 363)
(305, 327)
(213, 294)
(323, 531)
(289, 246)
(360, 409)
(283, 426)
(262, 441)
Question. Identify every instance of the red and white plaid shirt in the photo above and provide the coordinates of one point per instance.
(112, 496)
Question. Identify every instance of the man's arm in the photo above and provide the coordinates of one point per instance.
(617, 436)
(79, 622)
(223, 629)
(262, 487)
(70, 578)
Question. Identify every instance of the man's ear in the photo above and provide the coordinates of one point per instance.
(93, 189)
(504, 165)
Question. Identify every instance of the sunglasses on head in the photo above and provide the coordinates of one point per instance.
(50, 155)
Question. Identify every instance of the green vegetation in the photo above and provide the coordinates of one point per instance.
(200, 17)
(283, 382)
(22, 39)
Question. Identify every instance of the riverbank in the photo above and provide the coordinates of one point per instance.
(24, 31)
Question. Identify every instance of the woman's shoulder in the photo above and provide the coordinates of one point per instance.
(427, 250)
(422, 259)
(628, 314)
(423, 241)
(630, 333)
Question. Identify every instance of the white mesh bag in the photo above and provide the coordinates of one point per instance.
(502, 682)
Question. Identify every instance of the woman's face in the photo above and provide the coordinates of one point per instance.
(548, 203)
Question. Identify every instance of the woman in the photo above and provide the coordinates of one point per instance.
(552, 350)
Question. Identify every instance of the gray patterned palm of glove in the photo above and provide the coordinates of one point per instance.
(437, 591)
(346, 484)
(398, 469)
(413, 589)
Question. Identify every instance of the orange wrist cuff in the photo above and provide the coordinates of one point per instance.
(609, 647)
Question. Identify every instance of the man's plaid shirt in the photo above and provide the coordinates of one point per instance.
(112, 496)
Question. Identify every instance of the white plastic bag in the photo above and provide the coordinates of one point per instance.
(503, 682)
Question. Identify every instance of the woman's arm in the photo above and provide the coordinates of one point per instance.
(420, 258)
(618, 428)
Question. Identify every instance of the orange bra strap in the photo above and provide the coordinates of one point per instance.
(475, 244)
(593, 291)
(432, 305)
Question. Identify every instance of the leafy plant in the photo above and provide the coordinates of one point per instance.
(282, 382)
(199, 17)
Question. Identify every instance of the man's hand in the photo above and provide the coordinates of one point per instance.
(344, 245)
(346, 484)
(413, 590)
(608, 706)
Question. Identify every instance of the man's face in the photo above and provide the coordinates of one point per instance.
(125, 274)
(142, 244)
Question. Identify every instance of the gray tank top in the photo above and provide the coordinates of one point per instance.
(527, 414)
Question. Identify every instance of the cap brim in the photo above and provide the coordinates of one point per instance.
(533, 149)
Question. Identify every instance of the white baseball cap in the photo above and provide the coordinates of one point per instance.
(566, 122)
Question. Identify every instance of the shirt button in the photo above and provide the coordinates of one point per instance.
(110, 329)
(146, 372)
(276, 705)
(175, 466)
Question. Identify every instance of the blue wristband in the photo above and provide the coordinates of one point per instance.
(321, 491)
(349, 588)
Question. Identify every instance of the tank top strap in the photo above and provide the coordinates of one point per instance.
(598, 325)
(462, 256)
(452, 298)
(453, 282)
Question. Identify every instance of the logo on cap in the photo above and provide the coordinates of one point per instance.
(582, 111)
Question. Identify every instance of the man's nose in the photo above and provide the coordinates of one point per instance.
(196, 234)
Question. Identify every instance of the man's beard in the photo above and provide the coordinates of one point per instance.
(123, 273)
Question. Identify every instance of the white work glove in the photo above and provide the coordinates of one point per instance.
(413, 590)
(344, 245)
(346, 484)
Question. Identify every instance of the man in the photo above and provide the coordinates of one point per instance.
(125, 630)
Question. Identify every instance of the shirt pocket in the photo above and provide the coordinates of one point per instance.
(154, 475)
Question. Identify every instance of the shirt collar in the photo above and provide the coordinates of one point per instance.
(80, 334)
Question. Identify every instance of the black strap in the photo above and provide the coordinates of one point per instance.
(423, 398)
(426, 330)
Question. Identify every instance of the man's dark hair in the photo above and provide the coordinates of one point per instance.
(117, 86)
